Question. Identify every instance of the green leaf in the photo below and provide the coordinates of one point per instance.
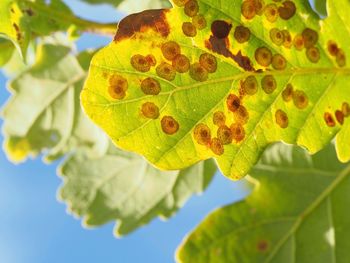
(124, 187)
(301, 98)
(298, 212)
(43, 114)
(321, 7)
(6, 51)
(21, 20)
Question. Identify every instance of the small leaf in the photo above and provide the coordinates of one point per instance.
(44, 115)
(124, 187)
(6, 51)
(277, 73)
(298, 212)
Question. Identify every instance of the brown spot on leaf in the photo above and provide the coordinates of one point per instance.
(328, 118)
(279, 62)
(288, 41)
(250, 85)
(151, 60)
(233, 102)
(202, 134)
(242, 34)
(219, 118)
(248, 9)
(339, 115)
(189, 29)
(220, 29)
(298, 42)
(150, 86)
(238, 132)
(166, 71)
(141, 22)
(241, 115)
(313, 54)
(268, 84)
(263, 56)
(181, 63)
(198, 72)
(216, 146)
(224, 134)
(199, 22)
(180, 3)
(287, 93)
(333, 48)
(191, 8)
(277, 37)
(263, 246)
(140, 63)
(18, 32)
(150, 110)
(170, 50)
(346, 109)
(341, 58)
(300, 99)
(208, 61)
(169, 125)
(281, 119)
(271, 12)
(117, 87)
(287, 10)
(310, 37)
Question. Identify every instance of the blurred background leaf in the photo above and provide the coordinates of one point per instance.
(298, 212)
(124, 187)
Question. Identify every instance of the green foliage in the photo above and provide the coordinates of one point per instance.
(170, 127)
(298, 212)
(122, 186)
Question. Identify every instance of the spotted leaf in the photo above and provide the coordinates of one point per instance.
(297, 212)
(215, 79)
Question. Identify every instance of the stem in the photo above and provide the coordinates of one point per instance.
(81, 23)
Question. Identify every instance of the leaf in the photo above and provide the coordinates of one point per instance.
(44, 115)
(6, 51)
(298, 212)
(22, 19)
(124, 187)
(293, 100)
(321, 7)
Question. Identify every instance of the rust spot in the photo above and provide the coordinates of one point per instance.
(346, 109)
(268, 84)
(181, 63)
(150, 110)
(140, 63)
(29, 11)
(170, 50)
(341, 58)
(150, 86)
(313, 54)
(233, 102)
(241, 115)
(18, 32)
(281, 119)
(198, 72)
(248, 9)
(250, 85)
(199, 22)
(277, 37)
(219, 118)
(300, 99)
(310, 37)
(271, 12)
(117, 87)
(263, 246)
(263, 56)
(242, 34)
(166, 71)
(298, 42)
(333, 48)
(151, 60)
(189, 29)
(328, 118)
(141, 22)
(216, 146)
(288, 41)
(208, 61)
(279, 62)
(287, 93)
(12, 10)
(224, 134)
(339, 115)
(238, 132)
(202, 134)
(287, 10)
(191, 8)
(180, 3)
(169, 125)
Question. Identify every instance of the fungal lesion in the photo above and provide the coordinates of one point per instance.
(118, 86)
(338, 116)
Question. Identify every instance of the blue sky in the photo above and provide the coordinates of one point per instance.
(35, 228)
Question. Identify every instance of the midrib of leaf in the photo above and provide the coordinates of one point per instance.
(300, 219)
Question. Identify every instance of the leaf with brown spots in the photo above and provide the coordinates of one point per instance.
(263, 64)
(297, 212)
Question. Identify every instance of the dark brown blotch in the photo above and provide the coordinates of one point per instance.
(328, 118)
(287, 10)
(233, 102)
(310, 37)
(339, 115)
(220, 29)
(141, 22)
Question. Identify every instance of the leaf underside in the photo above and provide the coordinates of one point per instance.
(301, 98)
(298, 212)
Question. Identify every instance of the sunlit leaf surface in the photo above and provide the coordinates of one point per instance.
(124, 187)
(223, 79)
(298, 212)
